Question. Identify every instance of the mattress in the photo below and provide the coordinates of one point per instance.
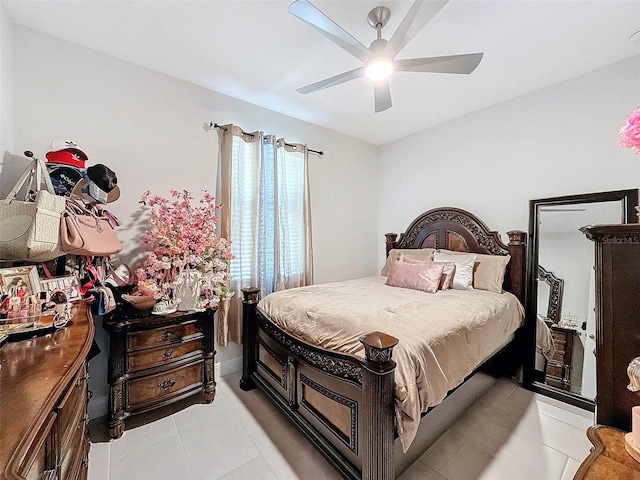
(442, 337)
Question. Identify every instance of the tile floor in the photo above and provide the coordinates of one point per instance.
(508, 433)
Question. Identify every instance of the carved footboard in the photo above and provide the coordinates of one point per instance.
(344, 404)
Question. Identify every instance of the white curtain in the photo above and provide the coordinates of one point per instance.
(266, 213)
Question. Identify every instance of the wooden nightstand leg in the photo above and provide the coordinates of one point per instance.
(209, 383)
(116, 421)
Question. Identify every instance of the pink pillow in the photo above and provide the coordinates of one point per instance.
(448, 270)
(423, 276)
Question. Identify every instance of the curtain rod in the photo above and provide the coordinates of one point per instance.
(210, 125)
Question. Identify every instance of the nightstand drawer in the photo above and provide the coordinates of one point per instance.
(160, 356)
(555, 370)
(161, 336)
(559, 337)
(559, 356)
(162, 386)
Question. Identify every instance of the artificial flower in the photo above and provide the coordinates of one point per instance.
(183, 241)
(630, 131)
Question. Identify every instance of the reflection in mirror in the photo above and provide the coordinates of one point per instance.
(562, 288)
(550, 293)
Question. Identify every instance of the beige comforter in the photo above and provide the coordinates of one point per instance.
(442, 337)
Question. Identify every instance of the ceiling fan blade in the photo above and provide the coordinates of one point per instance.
(417, 17)
(331, 81)
(306, 12)
(465, 63)
(382, 94)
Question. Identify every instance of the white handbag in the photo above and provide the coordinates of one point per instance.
(30, 229)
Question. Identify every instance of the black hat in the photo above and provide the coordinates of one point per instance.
(99, 185)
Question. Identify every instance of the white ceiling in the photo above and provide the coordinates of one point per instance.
(258, 52)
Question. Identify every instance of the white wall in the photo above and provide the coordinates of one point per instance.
(560, 140)
(6, 55)
(147, 127)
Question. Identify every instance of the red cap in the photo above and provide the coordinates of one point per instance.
(66, 157)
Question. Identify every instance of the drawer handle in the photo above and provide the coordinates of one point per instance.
(168, 353)
(85, 420)
(166, 335)
(167, 384)
(83, 379)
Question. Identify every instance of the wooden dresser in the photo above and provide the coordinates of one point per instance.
(617, 263)
(564, 369)
(43, 403)
(157, 360)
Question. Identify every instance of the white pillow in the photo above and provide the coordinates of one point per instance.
(463, 276)
(489, 271)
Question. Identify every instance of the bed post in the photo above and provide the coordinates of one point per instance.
(378, 406)
(249, 331)
(518, 273)
(391, 241)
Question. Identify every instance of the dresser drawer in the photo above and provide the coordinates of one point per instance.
(72, 458)
(162, 355)
(72, 408)
(161, 336)
(162, 386)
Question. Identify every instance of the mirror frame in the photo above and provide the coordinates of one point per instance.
(629, 199)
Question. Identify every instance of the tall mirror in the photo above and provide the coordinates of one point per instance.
(561, 293)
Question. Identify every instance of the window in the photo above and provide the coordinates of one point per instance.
(268, 213)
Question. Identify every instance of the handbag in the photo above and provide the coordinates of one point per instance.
(30, 229)
(105, 301)
(84, 233)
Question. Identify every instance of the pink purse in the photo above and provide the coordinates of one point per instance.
(84, 233)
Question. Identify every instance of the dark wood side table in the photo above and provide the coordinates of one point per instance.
(608, 459)
(156, 360)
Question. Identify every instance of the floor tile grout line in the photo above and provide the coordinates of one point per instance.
(589, 415)
(561, 421)
(253, 442)
(449, 457)
(566, 464)
(109, 461)
(184, 450)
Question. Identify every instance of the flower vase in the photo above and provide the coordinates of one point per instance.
(188, 290)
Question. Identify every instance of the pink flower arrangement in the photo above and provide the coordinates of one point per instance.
(630, 131)
(182, 242)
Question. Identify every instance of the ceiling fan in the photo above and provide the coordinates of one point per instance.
(378, 59)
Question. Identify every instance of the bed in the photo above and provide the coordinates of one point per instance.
(344, 395)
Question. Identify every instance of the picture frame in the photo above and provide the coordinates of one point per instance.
(19, 281)
(68, 284)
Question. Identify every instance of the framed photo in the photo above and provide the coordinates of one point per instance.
(69, 285)
(19, 281)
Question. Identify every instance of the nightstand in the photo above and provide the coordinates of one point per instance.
(608, 459)
(156, 360)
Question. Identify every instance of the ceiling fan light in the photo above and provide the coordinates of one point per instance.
(379, 68)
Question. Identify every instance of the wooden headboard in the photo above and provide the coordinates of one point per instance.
(456, 229)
